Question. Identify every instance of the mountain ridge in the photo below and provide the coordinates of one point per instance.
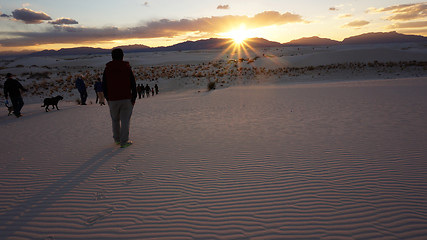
(221, 43)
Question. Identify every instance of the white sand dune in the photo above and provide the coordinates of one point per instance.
(362, 54)
(342, 160)
(192, 70)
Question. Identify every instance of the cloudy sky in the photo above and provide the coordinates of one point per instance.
(55, 24)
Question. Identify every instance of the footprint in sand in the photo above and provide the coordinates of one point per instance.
(101, 215)
(99, 196)
(134, 178)
(121, 166)
(129, 158)
(118, 168)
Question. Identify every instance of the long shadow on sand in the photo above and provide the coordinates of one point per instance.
(13, 220)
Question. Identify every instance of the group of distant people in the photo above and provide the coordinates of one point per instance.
(118, 87)
(99, 91)
(145, 91)
(142, 91)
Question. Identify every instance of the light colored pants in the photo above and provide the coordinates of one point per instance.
(120, 112)
(100, 97)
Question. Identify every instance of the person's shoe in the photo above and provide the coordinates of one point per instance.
(127, 144)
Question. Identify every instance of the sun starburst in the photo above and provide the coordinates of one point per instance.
(238, 35)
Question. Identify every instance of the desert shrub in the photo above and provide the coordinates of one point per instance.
(211, 86)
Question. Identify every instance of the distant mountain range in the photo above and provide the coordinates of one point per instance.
(390, 37)
(312, 41)
(221, 43)
(367, 38)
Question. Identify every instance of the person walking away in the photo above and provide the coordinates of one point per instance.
(139, 89)
(12, 89)
(118, 83)
(81, 87)
(147, 90)
(156, 88)
(99, 92)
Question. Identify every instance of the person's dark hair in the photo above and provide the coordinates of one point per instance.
(117, 54)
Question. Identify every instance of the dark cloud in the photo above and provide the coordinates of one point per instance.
(333, 9)
(166, 28)
(29, 16)
(356, 24)
(404, 12)
(62, 34)
(64, 21)
(5, 15)
(223, 7)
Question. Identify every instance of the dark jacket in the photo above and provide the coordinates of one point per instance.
(118, 81)
(80, 85)
(98, 87)
(12, 88)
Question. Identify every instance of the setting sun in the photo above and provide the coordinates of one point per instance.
(239, 38)
(239, 35)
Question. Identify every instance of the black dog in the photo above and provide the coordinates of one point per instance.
(52, 101)
(10, 109)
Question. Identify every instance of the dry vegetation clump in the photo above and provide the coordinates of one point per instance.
(211, 86)
(219, 73)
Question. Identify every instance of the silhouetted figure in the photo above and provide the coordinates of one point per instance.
(156, 88)
(147, 90)
(119, 87)
(12, 89)
(140, 90)
(81, 87)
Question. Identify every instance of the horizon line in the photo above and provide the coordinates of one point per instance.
(23, 52)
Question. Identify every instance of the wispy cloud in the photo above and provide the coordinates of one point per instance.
(29, 16)
(345, 16)
(223, 7)
(404, 12)
(419, 24)
(404, 17)
(165, 28)
(356, 24)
